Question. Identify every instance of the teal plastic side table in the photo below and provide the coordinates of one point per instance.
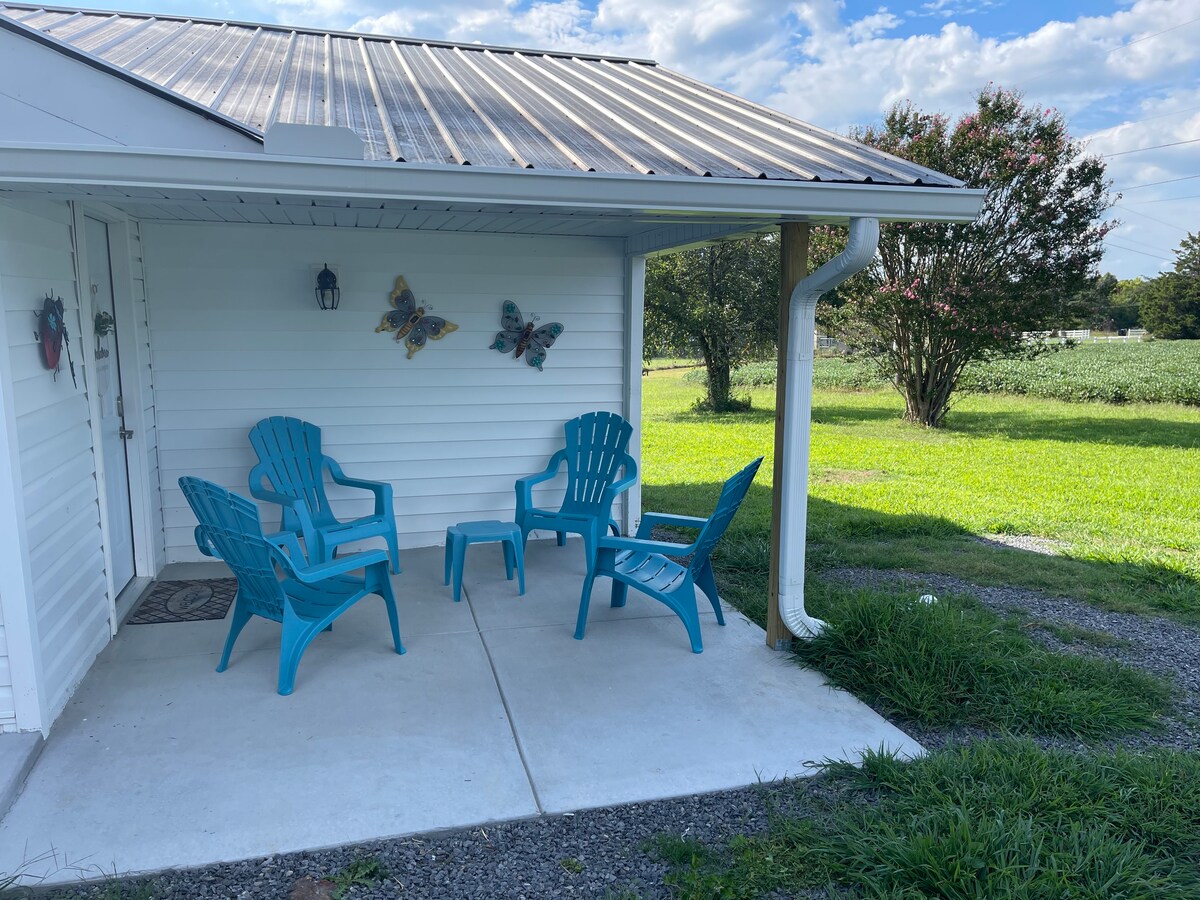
(460, 536)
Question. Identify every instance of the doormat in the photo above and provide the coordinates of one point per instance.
(185, 601)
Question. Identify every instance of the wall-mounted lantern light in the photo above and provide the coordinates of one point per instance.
(328, 293)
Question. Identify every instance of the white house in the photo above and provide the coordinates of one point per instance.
(191, 177)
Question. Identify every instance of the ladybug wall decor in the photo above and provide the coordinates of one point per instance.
(52, 334)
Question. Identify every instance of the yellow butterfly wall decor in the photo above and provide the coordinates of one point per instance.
(409, 321)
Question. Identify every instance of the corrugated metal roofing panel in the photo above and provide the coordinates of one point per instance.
(443, 103)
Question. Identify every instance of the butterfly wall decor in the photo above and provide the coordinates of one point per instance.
(409, 321)
(522, 336)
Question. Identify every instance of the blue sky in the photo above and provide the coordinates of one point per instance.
(1126, 73)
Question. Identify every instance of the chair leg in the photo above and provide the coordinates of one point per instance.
(692, 624)
(297, 634)
(381, 584)
(509, 550)
(393, 551)
(448, 554)
(682, 602)
(241, 615)
(562, 538)
(519, 555)
(458, 554)
(620, 593)
(707, 583)
(585, 598)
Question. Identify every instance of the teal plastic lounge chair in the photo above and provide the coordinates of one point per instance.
(291, 473)
(595, 453)
(641, 563)
(308, 597)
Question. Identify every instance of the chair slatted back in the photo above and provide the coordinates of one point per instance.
(289, 454)
(230, 527)
(597, 445)
(731, 498)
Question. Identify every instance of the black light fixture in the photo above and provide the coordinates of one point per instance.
(328, 292)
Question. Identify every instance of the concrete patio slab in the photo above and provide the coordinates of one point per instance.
(495, 713)
(641, 717)
(18, 752)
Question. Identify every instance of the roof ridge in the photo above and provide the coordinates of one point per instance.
(355, 35)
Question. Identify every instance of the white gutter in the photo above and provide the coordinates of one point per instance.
(46, 166)
(797, 419)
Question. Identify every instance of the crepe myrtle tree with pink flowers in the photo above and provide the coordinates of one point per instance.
(940, 296)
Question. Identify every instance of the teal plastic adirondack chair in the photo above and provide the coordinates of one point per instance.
(641, 563)
(595, 453)
(291, 473)
(306, 600)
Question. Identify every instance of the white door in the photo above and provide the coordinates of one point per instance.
(108, 392)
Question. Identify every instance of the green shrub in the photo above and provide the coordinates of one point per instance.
(1152, 372)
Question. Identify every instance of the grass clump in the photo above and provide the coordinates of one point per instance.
(954, 663)
(991, 819)
(364, 871)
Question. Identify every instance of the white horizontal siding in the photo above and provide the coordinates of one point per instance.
(55, 452)
(236, 335)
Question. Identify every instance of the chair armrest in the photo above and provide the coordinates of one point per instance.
(381, 489)
(298, 508)
(286, 541)
(667, 548)
(614, 490)
(204, 542)
(650, 519)
(524, 486)
(319, 572)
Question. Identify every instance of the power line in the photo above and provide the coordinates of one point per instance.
(1155, 147)
(1147, 244)
(1148, 36)
(1135, 187)
(1174, 112)
(1166, 199)
(1142, 252)
(1152, 218)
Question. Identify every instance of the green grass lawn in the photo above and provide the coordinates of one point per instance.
(1119, 486)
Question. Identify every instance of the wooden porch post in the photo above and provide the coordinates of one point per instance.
(793, 266)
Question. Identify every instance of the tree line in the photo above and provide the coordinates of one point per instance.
(938, 296)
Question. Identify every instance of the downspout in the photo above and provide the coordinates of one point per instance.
(797, 418)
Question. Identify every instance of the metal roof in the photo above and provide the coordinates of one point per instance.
(434, 102)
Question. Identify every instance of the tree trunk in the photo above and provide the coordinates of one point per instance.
(719, 381)
(925, 405)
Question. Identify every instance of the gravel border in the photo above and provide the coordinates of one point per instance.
(599, 853)
(603, 853)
